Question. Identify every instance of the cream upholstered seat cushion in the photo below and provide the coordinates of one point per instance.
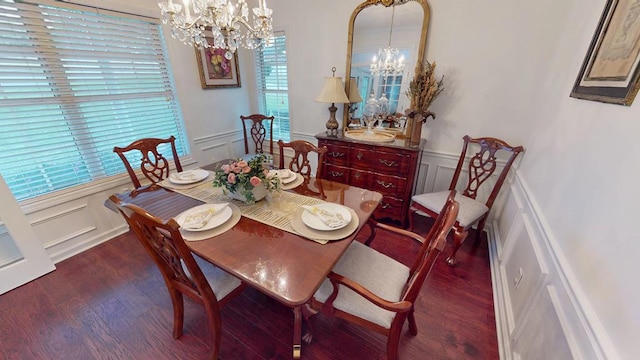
(220, 281)
(470, 210)
(378, 273)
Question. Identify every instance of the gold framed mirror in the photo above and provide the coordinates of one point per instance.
(375, 25)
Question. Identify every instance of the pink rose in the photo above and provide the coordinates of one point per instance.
(255, 180)
(246, 170)
(231, 178)
(242, 164)
(237, 169)
(225, 168)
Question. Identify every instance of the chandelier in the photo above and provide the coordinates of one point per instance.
(191, 22)
(387, 62)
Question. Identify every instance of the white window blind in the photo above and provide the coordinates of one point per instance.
(273, 87)
(74, 83)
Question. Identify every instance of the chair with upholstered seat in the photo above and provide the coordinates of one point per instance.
(378, 292)
(153, 165)
(481, 166)
(259, 127)
(183, 273)
(300, 162)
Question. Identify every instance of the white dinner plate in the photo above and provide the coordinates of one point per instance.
(285, 175)
(314, 222)
(188, 176)
(222, 213)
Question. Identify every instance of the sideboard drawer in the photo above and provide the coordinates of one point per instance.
(385, 162)
(389, 185)
(361, 178)
(390, 207)
(337, 154)
(389, 163)
(336, 173)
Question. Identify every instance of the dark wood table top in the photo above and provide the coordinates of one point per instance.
(283, 265)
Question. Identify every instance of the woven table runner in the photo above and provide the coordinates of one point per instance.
(277, 209)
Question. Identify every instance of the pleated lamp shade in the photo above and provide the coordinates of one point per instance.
(333, 91)
(354, 93)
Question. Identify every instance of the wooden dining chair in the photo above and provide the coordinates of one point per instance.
(377, 292)
(180, 269)
(153, 165)
(480, 168)
(300, 162)
(258, 127)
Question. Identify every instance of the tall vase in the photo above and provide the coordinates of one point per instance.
(416, 127)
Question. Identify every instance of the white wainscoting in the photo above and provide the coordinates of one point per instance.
(74, 220)
(538, 312)
(538, 309)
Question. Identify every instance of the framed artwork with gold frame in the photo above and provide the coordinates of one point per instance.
(216, 70)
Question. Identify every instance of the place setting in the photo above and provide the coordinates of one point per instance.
(186, 179)
(324, 222)
(288, 178)
(207, 220)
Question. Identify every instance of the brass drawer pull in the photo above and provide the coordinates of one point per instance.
(336, 174)
(359, 156)
(336, 154)
(357, 175)
(385, 185)
(385, 205)
(388, 163)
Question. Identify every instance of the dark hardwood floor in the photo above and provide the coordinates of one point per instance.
(110, 302)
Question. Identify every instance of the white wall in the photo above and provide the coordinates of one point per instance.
(509, 68)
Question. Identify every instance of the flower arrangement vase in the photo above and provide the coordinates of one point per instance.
(416, 127)
(259, 192)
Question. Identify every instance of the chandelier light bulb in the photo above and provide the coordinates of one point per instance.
(221, 20)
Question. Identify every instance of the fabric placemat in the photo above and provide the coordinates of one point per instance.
(227, 225)
(323, 236)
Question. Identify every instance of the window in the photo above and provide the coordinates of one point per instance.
(273, 88)
(390, 86)
(74, 83)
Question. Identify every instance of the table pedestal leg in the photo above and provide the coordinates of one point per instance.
(297, 332)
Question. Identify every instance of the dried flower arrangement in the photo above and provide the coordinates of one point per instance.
(423, 89)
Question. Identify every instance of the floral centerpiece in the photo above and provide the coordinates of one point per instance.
(423, 89)
(247, 180)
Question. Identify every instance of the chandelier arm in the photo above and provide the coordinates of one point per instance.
(186, 25)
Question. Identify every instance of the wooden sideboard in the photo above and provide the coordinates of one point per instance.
(390, 168)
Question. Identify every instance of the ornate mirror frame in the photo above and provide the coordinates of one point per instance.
(419, 55)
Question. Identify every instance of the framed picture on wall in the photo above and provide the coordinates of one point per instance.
(216, 69)
(610, 70)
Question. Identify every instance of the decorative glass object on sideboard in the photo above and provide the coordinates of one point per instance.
(370, 113)
(383, 110)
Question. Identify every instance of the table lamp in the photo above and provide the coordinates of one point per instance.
(354, 99)
(333, 92)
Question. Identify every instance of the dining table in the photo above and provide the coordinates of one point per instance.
(270, 254)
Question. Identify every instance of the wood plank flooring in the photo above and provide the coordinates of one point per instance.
(110, 302)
